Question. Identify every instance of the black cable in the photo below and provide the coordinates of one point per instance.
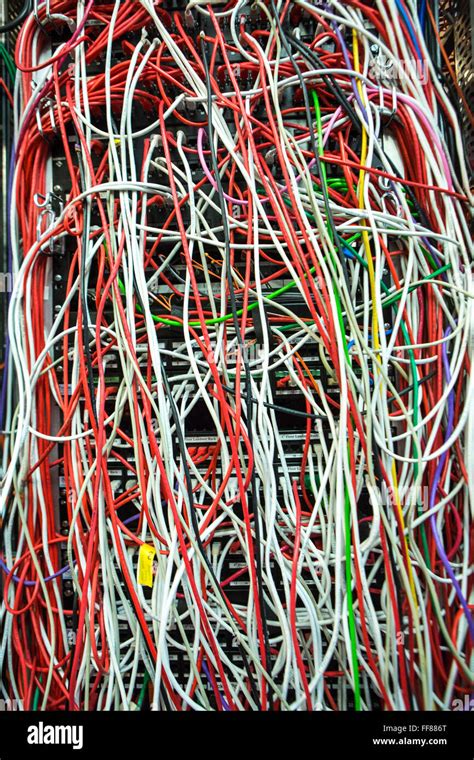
(248, 376)
(284, 409)
(314, 147)
(329, 79)
(377, 458)
(11, 25)
(189, 487)
(192, 512)
(339, 94)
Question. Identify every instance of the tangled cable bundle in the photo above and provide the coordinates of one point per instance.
(237, 401)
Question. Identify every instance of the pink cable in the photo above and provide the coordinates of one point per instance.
(230, 198)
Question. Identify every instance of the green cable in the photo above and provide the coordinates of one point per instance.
(8, 61)
(395, 296)
(428, 277)
(347, 516)
(226, 317)
(411, 355)
(345, 243)
(141, 696)
(390, 301)
(34, 706)
(350, 600)
(36, 700)
(347, 503)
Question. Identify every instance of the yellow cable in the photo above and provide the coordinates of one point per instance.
(360, 198)
(373, 291)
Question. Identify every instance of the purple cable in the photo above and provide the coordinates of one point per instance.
(130, 519)
(439, 544)
(17, 579)
(345, 53)
(208, 676)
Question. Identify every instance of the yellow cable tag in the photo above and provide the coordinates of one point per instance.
(146, 556)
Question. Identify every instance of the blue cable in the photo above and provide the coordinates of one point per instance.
(410, 28)
(422, 15)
